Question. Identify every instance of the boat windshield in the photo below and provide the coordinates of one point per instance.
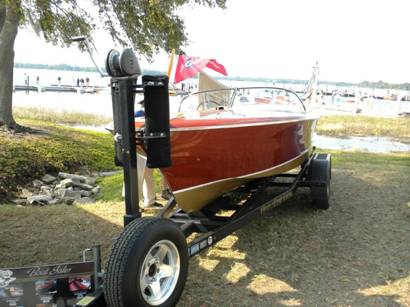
(206, 101)
(266, 98)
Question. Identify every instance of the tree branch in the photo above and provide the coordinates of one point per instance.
(58, 7)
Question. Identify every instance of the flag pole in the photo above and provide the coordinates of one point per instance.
(171, 62)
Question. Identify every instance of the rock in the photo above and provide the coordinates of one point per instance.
(46, 190)
(72, 194)
(19, 201)
(86, 193)
(68, 200)
(26, 193)
(96, 190)
(64, 193)
(66, 183)
(48, 178)
(91, 180)
(72, 188)
(37, 183)
(59, 192)
(39, 200)
(83, 172)
(105, 174)
(54, 201)
(83, 186)
(72, 176)
(84, 200)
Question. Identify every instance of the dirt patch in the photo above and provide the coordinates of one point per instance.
(55, 234)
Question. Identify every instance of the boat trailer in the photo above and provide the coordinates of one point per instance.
(148, 263)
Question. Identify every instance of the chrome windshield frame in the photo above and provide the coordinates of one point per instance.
(235, 90)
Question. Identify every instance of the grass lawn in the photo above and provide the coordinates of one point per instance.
(359, 125)
(60, 117)
(354, 254)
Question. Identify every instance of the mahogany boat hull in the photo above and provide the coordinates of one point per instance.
(211, 157)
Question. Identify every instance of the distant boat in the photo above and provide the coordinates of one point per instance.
(88, 90)
(176, 92)
(25, 88)
(73, 89)
(55, 88)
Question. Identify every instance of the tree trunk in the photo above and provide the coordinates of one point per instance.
(7, 37)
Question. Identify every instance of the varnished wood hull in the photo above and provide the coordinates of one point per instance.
(214, 156)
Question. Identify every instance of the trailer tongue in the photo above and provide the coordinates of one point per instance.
(148, 263)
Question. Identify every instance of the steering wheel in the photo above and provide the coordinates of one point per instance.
(202, 103)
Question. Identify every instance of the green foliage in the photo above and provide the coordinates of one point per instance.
(148, 25)
(57, 21)
(64, 67)
(111, 188)
(50, 150)
(385, 85)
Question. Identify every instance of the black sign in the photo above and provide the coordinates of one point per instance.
(45, 286)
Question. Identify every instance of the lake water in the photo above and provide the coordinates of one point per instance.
(49, 77)
(88, 103)
(101, 103)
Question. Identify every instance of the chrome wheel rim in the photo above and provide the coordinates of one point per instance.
(159, 272)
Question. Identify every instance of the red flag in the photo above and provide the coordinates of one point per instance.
(188, 67)
(213, 64)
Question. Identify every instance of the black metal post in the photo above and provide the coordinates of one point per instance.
(123, 97)
(97, 266)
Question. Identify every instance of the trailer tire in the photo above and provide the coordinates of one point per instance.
(148, 265)
(320, 173)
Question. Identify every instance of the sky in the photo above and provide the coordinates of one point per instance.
(353, 40)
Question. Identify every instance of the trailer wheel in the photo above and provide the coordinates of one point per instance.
(148, 265)
(319, 173)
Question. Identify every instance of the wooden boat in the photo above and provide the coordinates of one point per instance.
(218, 142)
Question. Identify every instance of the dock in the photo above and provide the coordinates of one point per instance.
(60, 88)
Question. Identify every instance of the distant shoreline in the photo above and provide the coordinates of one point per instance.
(64, 67)
(364, 84)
